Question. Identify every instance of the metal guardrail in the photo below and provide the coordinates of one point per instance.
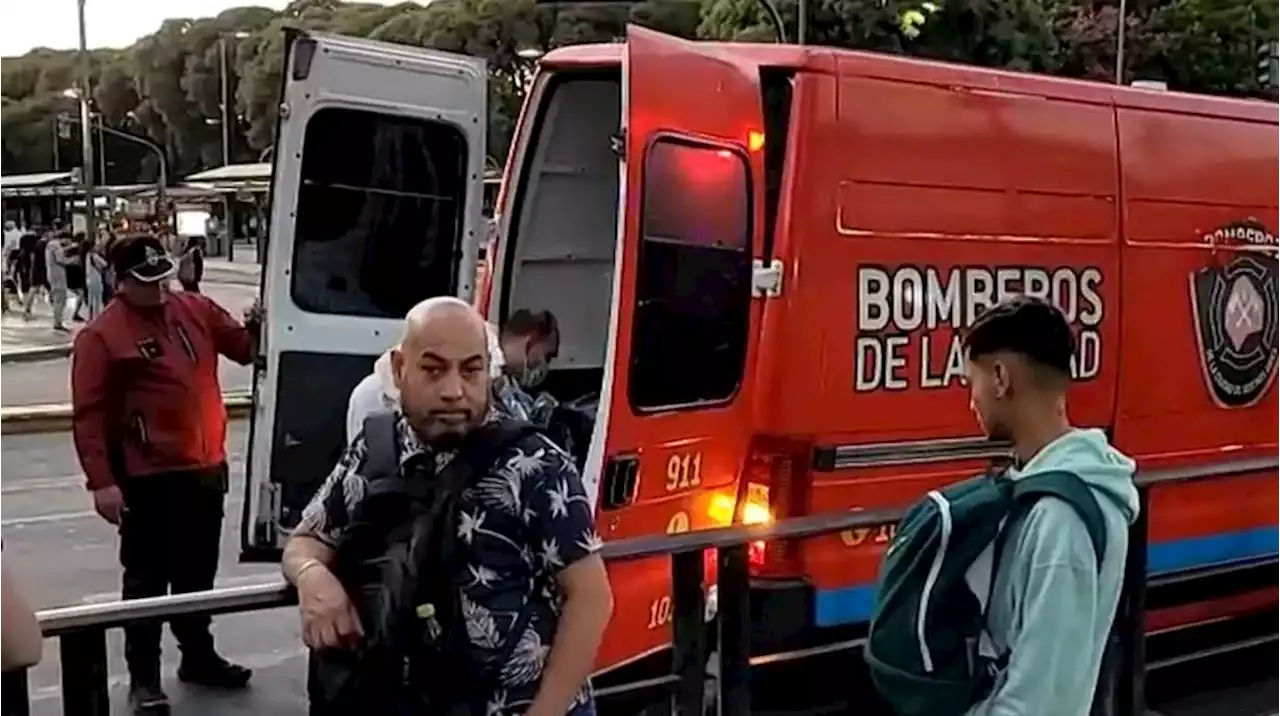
(82, 629)
(56, 417)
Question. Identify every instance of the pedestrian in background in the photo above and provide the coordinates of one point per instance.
(56, 260)
(77, 253)
(33, 280)
(95, 266)
(150, 430)
(191, 263)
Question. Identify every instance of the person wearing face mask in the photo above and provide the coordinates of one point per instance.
(530, 340)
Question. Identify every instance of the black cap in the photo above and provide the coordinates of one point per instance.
(143, 257)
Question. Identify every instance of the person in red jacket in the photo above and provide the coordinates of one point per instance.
(150, 431)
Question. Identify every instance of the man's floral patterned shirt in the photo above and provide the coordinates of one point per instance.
(521, 525)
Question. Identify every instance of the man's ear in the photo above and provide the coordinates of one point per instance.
(1002, 382)
(397, 366)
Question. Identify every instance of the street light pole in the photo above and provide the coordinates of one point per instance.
(802, 22)
(224, 106)
(86, 130)
(224, 83)
(1120, 43)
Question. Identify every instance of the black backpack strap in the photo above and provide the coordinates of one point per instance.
(484, 445)
(382, 445)
(477, 454)
(1069, 488)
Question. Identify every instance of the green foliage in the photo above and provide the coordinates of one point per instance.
(166, 86)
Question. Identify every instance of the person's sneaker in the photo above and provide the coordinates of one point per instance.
(214, 672)
(148, 700)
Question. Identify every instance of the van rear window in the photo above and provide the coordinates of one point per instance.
(693, 285)
(380, 213)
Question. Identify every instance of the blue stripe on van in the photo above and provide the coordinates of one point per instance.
(850, 605)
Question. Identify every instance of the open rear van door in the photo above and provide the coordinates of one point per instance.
(376, 200)
(676, 404)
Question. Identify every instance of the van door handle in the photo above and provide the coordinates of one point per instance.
(621, 482)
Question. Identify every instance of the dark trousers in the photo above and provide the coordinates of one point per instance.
(169, 539)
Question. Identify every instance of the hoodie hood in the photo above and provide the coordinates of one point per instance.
(497, 359)
(1087, 453)
(386, 380)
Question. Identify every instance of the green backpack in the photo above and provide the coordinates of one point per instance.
(922, 648)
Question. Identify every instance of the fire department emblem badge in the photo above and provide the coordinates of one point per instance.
(1234, 305)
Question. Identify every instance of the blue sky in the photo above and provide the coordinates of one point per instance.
(109, 23)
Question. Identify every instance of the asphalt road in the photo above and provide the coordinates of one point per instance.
(65, 555)
(50, 381)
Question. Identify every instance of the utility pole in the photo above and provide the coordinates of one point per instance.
(802, 22)
(224, 104)
(57, 135)
(1120, 39)
(86, 130)
(1268, 67)
(224, 90)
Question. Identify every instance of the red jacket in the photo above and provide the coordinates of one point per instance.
(144, 387)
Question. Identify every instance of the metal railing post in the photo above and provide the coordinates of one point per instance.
(13, 693)
(84, 673)
(1131, 697)
(734, 610)
(689, 633)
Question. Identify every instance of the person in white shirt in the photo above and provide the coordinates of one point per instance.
(12, 236)
(55, 266)
(12, 240)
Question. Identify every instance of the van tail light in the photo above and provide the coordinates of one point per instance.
(767, 492)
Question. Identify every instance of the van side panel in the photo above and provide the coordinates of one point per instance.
(790, 342)
(1184, 177)
(937, 200)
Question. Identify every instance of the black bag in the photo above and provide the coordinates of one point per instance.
(398, 562)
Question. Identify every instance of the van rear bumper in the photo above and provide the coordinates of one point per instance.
(781, 615)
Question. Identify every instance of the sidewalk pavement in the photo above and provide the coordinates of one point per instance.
(25, 341)
(244, 269)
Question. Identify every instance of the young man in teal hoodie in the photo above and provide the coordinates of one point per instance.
(1051, 607)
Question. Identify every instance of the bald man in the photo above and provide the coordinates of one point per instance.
(525, 569)
(377, 391)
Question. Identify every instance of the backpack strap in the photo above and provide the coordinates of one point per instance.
(1025, 492)
(1069, 488)
(382, 445)
(480, 449)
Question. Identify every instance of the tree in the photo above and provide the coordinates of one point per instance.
(167, 86)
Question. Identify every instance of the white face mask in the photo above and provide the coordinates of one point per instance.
(532, 376)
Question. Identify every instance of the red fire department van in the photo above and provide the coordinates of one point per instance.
(761, 257)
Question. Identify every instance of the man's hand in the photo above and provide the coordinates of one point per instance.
(329, 619)
(108, 502)
(254, 313)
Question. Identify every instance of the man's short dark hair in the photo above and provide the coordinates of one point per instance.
(1028, 326)
(539, 325)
